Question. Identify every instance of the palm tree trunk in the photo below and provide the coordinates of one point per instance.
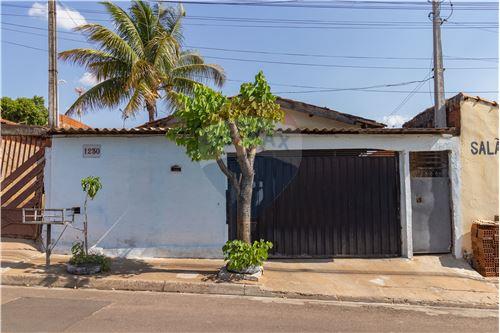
(151, 107)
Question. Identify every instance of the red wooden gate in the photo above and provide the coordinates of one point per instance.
(23, 161)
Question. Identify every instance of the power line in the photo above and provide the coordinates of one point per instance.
(334, 56)
(275, 24)
(410, 95)
(267, 52)
(359, 89)
(278, 20)
(338, 66)
(22, 45)
(367, 5)
(312, 64)
(351, 5)
(44, 35)
(69, 13)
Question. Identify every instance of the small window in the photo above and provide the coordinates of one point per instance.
(429, 164)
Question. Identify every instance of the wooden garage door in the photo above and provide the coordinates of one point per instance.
(325, 203)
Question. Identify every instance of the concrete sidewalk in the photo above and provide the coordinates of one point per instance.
(425, 280)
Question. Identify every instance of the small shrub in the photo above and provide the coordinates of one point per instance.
(91, 185)
(241, 255)
(79, 257)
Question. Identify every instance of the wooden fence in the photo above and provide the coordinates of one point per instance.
(23, 161)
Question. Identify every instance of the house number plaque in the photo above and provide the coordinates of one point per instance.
(91, 151)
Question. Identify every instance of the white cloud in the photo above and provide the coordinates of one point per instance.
(66, 18)
(88, 79)
(394, 120)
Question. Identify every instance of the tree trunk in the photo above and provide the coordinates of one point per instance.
(244, 208)
(151, 107)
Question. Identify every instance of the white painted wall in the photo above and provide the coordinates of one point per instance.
(143, 209)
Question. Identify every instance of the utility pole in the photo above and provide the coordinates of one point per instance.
(439, 100)
(53, 112)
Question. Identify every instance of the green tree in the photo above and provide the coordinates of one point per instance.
(209, 122)
(24, 110)
(140, 61)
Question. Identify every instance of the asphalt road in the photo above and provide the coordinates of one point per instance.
(26, 309)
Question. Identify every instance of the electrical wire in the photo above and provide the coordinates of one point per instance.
(259, 52)
(410, 95)
(276, 24)
(359, 88)
(332, 4)
(322, 89)
(339, 66)
(69, 13)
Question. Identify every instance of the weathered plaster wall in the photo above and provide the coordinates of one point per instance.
(479, 164)
(144, 209)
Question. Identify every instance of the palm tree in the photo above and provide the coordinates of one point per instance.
(139, 62)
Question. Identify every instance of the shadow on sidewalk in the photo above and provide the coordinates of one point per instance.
(129, 267)
(120, 267)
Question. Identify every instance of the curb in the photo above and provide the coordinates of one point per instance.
(219, 288)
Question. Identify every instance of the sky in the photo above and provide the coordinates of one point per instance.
(309, 53)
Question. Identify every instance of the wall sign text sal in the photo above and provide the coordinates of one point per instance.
(484, 147)
(91, 151)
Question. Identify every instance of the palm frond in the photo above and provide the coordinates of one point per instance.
(145, 75)
(171, 20)
(201, 72)
(135, 102)
(126, 27)
(171, 101)
(189, 57)
(110, 41)
(163, 49)
(104, 70)
(85, 57)
(145, 20)
(108, 93)
(183, 85)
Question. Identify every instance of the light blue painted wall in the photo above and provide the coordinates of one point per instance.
(155, 212)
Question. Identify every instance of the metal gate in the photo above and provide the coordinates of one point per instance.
(23, 161)
(324, 203)
(431, 209)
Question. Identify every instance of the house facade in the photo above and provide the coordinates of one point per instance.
(328, 184)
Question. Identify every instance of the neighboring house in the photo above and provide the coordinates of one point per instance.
(23, 161)
(22, 150)
(327, 184)
(68, 122)
(300, 115)
(477, 120)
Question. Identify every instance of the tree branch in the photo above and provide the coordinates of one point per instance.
(229, 174)
(251, 156)
(241, 153)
